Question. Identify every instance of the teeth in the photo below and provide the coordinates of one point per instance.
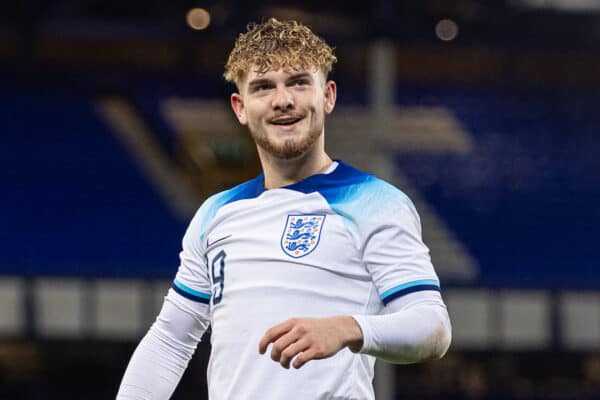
(285, 121)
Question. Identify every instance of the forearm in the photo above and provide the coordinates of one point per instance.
(153, 372)
(409, 333)
(162, 356)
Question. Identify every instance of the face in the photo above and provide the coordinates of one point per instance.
(284, 109)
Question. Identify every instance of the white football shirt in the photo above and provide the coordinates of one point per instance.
(339, 243)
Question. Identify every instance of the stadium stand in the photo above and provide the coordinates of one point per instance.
(77, 209)
(524, 200)
(74, 203)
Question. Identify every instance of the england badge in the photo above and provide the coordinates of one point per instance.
(301, 234)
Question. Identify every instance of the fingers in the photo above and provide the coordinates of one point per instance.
(304, 357)
(291, 351)
(302, 340)
(273, 334)
(283, 344)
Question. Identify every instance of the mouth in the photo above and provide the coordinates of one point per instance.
(285, 120)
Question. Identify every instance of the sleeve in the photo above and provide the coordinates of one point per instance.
(415, 328)
(394, 253)
(192, 281)
(163, 354)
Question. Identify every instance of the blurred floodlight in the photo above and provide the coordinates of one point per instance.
(563, 5)
(198, 18)
(446, 30)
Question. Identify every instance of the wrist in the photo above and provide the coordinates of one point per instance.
(354, 336)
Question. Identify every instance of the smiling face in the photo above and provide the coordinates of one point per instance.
(285, 109)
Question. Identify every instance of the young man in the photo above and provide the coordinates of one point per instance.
(304, 273)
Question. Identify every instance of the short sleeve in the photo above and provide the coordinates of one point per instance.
(394, 253)
(192, 280)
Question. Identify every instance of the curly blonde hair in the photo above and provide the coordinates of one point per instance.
(276, 44)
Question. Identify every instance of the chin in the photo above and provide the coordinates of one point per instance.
(288, 152)
(288, 145)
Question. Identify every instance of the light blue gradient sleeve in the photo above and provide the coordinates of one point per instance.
(389, 231)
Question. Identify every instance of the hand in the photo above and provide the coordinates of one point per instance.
(310, 339)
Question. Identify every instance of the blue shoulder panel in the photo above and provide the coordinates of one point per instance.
(345, 185)
(247, 190)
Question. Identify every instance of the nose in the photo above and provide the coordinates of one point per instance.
(283, 99)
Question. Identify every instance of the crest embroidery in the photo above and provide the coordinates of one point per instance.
(301, 234)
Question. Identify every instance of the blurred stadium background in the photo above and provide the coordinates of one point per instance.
(114, 125)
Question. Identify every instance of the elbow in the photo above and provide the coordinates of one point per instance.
(436, 339)
(437, 342)
(442, 341)
(420, 334)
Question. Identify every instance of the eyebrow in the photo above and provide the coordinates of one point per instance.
(264, 81)
(299, 76)
(258, 82)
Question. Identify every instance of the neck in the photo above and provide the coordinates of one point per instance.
(280, 172)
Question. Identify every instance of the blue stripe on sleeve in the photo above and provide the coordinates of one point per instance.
(410, 287)
(189, 293)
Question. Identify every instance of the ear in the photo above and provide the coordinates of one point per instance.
(330, 96)
(237, 104)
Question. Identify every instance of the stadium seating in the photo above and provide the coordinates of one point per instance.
(74, 202)
(524, 200)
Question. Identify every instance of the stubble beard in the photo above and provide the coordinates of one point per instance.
(290, 148)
